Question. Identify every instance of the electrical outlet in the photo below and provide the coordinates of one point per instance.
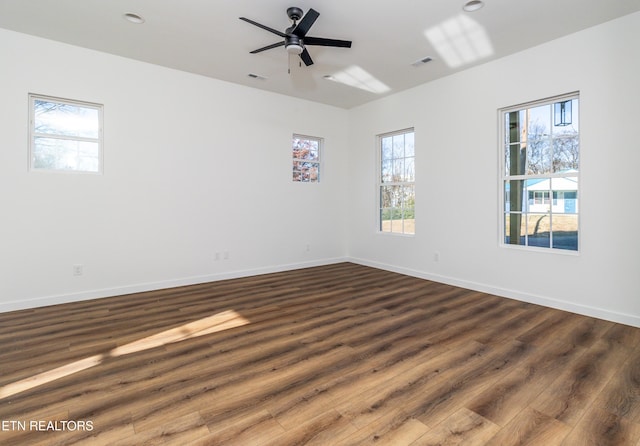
(78, 270)
(217, 257)
(225, 255)
(436, 256)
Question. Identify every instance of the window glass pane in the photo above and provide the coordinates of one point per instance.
(565, 231)
(507, 160)
(515, 228)
(386, 171)
(398, 170)
(65, 154)
(514, 191)
(409, 169)
(385, 220)
(515, 125)
(313, 154)
(408, 196)
(55, 118)
(566, 153)
(565, 192)
(538, 230)
(539, 122)
(507, 196)
(305, 171)
(538, 156)
(409, 144)
(517, 159)
(398, 146)
(387, 152)
(408, 210)
(386, 196)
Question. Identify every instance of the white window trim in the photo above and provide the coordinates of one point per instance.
(32, 133)
(502, 177)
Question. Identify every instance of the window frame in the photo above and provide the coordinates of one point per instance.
(552, 198)
(33, 134)
(317, 162)
(380, 183)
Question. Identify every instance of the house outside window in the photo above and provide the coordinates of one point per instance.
(540, 153)
(306, 158)
(65, 135)
(396, 182)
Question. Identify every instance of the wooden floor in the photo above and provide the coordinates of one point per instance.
(335, 355)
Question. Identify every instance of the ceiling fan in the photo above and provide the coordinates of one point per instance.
(295, 37)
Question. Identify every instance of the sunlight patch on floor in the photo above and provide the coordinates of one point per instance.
(212, 324)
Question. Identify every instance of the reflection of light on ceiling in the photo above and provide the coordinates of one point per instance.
(217, 322)
(460, 41)
(354, 76)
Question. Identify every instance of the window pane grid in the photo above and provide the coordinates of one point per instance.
(396, 190)
(540, 176)
(306, 158)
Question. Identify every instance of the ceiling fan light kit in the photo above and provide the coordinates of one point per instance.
(295, 39)
(294, 49)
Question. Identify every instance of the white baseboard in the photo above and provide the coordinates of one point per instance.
(586, 310)
(151, 286)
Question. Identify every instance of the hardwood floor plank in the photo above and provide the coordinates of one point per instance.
(321, 431)
(621, 395)
(392, 428)
(440, 402)
(504, 400)
(464, 427)
(397, 390)
(601, 428)
(567, 398)
(532, 428)
(256, 427)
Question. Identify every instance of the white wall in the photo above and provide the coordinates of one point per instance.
(192, 166)
(457, 210)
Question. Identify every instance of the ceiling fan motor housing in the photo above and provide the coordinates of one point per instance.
(294, 13)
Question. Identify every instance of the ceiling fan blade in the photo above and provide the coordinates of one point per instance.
(305, 24)
(260, 25)
(306, 57)
(268, 47)
(327, 42)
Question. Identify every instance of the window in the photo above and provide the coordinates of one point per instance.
(396, 182)
(65, 135)
(306, 158)
(540, 154)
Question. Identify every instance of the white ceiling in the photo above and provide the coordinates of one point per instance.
(206, 37)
